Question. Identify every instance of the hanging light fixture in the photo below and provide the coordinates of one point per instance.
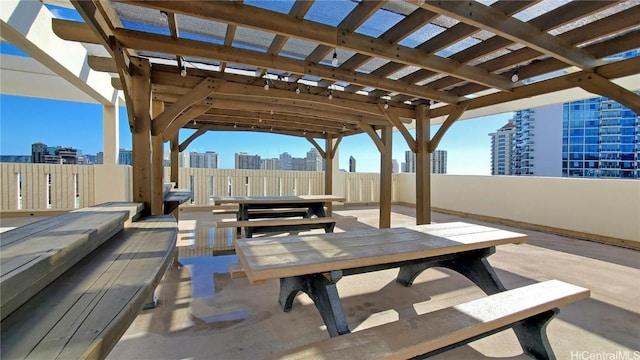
(298, 89)
(266, 84)
(194, 122)
(330, 94)
(386, 104)
(515, 76)
(183, 67)
(334, 61)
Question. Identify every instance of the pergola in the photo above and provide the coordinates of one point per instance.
(324, 70)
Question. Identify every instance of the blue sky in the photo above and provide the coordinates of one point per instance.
(24, 121)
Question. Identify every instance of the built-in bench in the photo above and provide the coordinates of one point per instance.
(286, 224)
(72, 284)
(526, 309)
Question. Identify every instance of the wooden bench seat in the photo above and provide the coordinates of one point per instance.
(84, 312)
(530, 307)
(35, 254)
(286, 224)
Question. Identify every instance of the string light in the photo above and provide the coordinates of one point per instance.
(266, 84)
(194, 121)
(298, 89)
(330, 94)
(164, 15)
(344, 127)
(334, 61)
(235, 125)
(515, 76)
(386, 104)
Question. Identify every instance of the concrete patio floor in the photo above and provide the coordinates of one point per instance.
(204, 314)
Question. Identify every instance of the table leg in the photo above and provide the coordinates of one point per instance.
(316, 209)
(243, 214)
(472, 264)
(324, 294)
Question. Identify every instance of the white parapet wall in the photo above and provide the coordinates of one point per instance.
(605, 207)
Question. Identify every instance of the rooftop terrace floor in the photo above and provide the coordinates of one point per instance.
(204, 314)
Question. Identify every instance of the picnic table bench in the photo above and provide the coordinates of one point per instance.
(283, 213)
(72, 284)
(314, 264)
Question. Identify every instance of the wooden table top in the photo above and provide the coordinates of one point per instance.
(275, 199)
(273, 258)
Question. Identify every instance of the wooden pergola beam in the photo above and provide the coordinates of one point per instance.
(182, 119)
(373, 135)
(402, 128)
(455, 114)
(197, 94)
(195, 135)
(165, 44)
(282, 24)
(614, 70)
(596, 84)
(486, 18)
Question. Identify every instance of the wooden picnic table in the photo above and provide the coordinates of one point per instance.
(315, 263)
(261, 207)
(312, 204)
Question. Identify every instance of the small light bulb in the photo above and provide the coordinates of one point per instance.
(297, 90)
(330, 94)
(515, 77)
(271, 112)
(194, 121)
(183, 72)
(386, 105)
(235, 126)
(334, 61)
(266, 85)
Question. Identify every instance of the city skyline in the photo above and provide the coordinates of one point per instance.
(80, 125)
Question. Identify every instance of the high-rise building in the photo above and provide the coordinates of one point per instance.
(439, 162)
(394, 166)
(270, 164)
(207, 160)
(313, 161)
(298, 164)
(594, 137)
(38, 151)
(246, 161)
(501, 142)
(125, 157)
(285, 161)
(601, 138)
(352, 164)
(409, 161)
(100, 158)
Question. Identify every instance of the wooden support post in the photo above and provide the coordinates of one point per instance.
(157, 163)
(328, 172)
(423, 166)
(386, 178)
(175, 153)
(141, 139)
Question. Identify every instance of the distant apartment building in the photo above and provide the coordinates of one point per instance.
(125, 157)
(43, 154)
(438, 162)
(501, 142)
(395, 168)
(246, 161)
(352, 164)
(285, 161)
(206, 160)
(594, 137)
(313, 161)
(270, 164)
